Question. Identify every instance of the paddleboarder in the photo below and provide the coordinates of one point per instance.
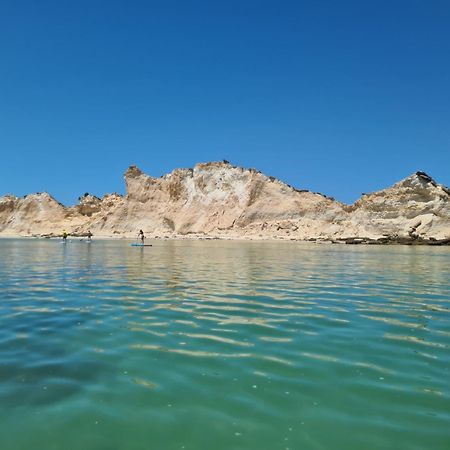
(64, 236)
(89, 236)
(141, 236)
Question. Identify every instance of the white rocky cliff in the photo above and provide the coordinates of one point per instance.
(221, 200)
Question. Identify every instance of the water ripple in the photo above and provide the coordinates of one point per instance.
(243, 345)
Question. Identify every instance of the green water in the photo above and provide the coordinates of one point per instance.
(223, 345)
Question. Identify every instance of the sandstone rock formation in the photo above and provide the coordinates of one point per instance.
(416, 207)
(220, 200)
(34, 213)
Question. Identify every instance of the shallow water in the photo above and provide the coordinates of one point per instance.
(223, 345)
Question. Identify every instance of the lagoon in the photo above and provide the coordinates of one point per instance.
(223, 345)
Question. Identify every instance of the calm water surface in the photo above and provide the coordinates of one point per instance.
(223, 345)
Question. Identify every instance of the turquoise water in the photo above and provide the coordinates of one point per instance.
(223, 345)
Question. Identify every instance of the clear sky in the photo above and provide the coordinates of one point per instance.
(340, 97)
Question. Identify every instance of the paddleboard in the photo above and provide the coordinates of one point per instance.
(141, 245)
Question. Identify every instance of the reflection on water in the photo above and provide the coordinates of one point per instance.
(213, 344)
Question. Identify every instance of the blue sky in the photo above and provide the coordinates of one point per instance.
(340, 97)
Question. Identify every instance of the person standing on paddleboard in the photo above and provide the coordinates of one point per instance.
(89, 236)
(141, 236)
(64, 236)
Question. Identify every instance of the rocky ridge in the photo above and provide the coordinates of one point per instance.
(219, 200)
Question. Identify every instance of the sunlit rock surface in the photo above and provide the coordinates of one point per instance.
(218, 199)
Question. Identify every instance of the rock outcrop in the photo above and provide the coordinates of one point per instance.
(33, 214)
(220, 200)
(416, 207)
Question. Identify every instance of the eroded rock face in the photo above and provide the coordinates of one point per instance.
(416, 207)
(216, 198)
(221, 200)
(33, 214)
(88, 205)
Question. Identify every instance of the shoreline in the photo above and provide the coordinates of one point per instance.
(387, 240)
